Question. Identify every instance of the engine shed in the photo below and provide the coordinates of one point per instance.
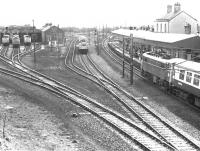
(52, 33)
(185, 46)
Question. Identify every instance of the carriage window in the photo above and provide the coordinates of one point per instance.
(182, 74)
(162, 65)
(196, 80)
(189, 77)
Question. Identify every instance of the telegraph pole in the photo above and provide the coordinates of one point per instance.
(123, 59)
(103, 31)
(51, 41)
(98, 43)
(131, 63)
(89, 36)
(34, 42)
(106, 30)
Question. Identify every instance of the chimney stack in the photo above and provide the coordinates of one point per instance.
(169, 9)
(177, 7)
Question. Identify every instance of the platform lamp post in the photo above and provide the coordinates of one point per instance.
(131, 63)
(33, 37)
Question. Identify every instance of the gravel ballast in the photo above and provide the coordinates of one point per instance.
(181, 114)
(55, 128)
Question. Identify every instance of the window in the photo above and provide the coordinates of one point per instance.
(196, 79)
(189, 77)
(157, 27)
(182, 74)
(162, 65)
(161, 27)
(165, 27)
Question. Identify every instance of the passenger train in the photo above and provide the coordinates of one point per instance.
(179, 76)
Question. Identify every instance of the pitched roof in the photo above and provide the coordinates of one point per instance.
(186, 41)
(154, 36)
(172, 15)
(46, 28)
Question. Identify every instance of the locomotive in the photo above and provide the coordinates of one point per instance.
(15, 41)
(82, 45)
(27, 40)
(6, 40)
(181, 77)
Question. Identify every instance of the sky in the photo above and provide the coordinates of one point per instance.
(89, 13)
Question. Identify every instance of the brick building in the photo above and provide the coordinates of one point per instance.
(52, 33)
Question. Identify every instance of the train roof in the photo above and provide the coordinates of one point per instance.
(189, 65)
(157, 58)
(179, 62)
(6, 35)
(82, 37)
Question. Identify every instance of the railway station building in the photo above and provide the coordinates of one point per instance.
(176, 21)
(170, 45)
(52, 33)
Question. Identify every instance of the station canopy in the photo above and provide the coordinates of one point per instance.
(170, 40)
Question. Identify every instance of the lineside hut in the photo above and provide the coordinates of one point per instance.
(186, 46)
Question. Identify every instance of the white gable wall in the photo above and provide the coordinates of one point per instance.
(176, 25)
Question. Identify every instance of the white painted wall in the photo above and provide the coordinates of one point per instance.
(177, 24)
(161, 24)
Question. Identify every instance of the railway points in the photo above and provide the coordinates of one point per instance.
(85, 62)
(100, 76)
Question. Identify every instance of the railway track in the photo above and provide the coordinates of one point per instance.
(119, 60)
(140, 139)
(72, 64)
(156, 124)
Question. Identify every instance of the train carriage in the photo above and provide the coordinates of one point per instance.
(187, 78)
(180, 76)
